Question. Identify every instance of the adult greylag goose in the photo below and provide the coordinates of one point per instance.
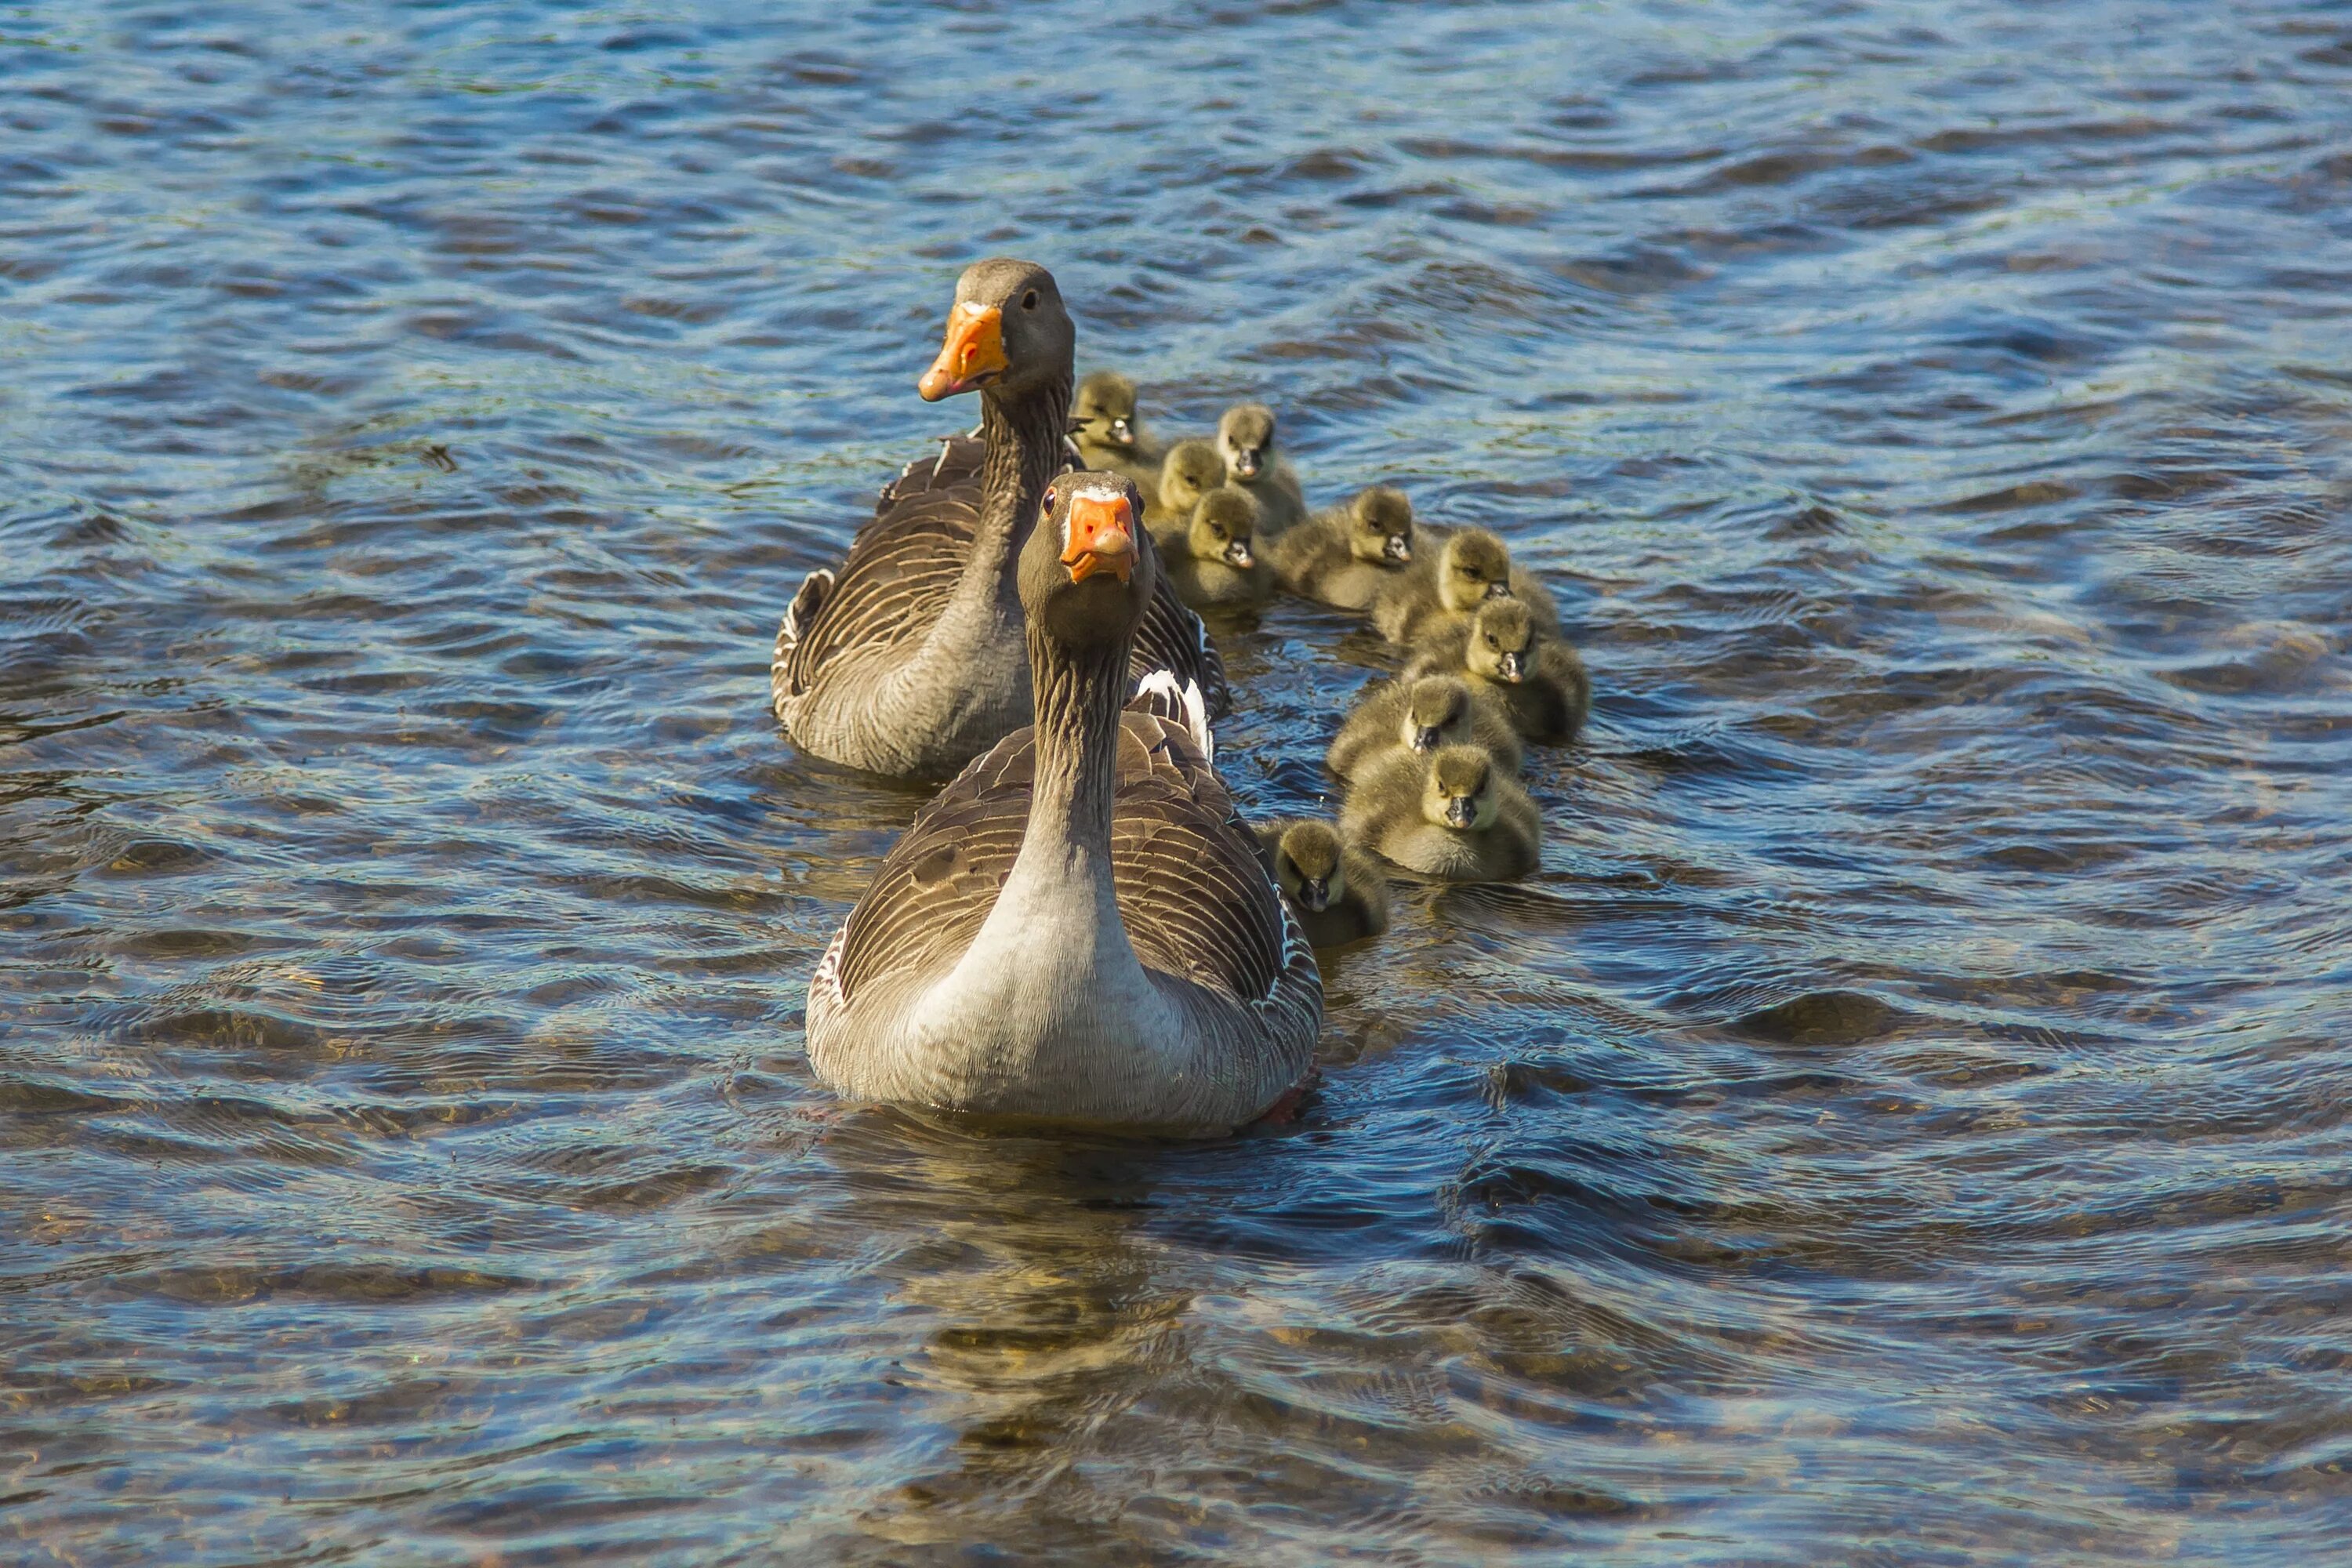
(1246, 442)
(1452, 814)
(1473, 565)
(1109, 437)
(909, 660)
(1420, 714)
(1343, 556)
(1507, 654)
(1338, 892)
(1078, 929)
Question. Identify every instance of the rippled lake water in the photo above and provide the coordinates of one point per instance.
(1904, 1122)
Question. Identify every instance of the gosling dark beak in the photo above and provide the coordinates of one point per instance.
(1398, 549)
(1424, 739)
(1238, 554)
(1245, 464)
(1461, 811)
(1316, 894)
(1498, 590)
(1512, 666)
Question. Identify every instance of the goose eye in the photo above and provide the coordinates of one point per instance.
(1029, 300)
(1053, 498)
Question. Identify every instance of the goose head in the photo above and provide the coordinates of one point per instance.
(1436, 713)
(1380, 527)
(1307, 864)
(1190, 470)
(1474, 566)
(1502, 644)
(1244, 437)
(1087, 573)
(1224, 524)
(1008, 333)
(1106, 408)
(1458, 791)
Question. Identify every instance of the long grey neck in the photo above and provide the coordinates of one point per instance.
(1052, 976)
(1024, 438)
(1078, 696)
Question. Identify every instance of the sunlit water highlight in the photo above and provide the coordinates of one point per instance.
(1904, 1122)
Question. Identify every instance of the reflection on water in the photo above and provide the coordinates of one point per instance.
(1902, 1122)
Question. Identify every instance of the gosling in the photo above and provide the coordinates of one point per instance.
(1190, 470)
(1345, 556)
(1337, 891)
(1108, 436)
(1215, 565)
(1509, 655)
(1246, 442)
(1452, 815)
(1474, 566)
(1421, 715)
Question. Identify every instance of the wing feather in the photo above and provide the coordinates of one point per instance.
(1191, 888)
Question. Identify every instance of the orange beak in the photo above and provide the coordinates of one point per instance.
(1102, 538)
(972, 356)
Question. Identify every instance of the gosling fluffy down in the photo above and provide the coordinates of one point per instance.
(1245, 443)
(1473, 566)
(1344, 555)
(1452, 815)
(1508, 656)
(1338, 892)
(1215, 564)
(1190, 470)
(1108, 435)
(1420, 714)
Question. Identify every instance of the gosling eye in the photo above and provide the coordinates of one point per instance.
(1491, 642)
(1029, 300)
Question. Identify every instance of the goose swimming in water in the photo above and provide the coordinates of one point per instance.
(1108, 435)
(1246, 444)
(1451, 814)
(1346, 555)
(910, 658)
(1507, 654)
(1472, 566)
(1078, 929)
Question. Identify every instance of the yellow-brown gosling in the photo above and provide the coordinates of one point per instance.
(1508, 655)
(1190, 470)
(1110, 438)
(1473, 566)
(1420, 714)
(1338, 892)
(1246, 443)
(1215, 564)
(1344, 555)
(1454, 814)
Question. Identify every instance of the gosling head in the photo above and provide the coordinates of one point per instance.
(1436, 713)
(1246, 438)
(1224, 524)
(1085, 577)
(1459, 790)
(1380, 527)
(1007, 333)
(1308, 866)
(1105, 408)
(1190, 470)
(1474, 566)
(1502, 644)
